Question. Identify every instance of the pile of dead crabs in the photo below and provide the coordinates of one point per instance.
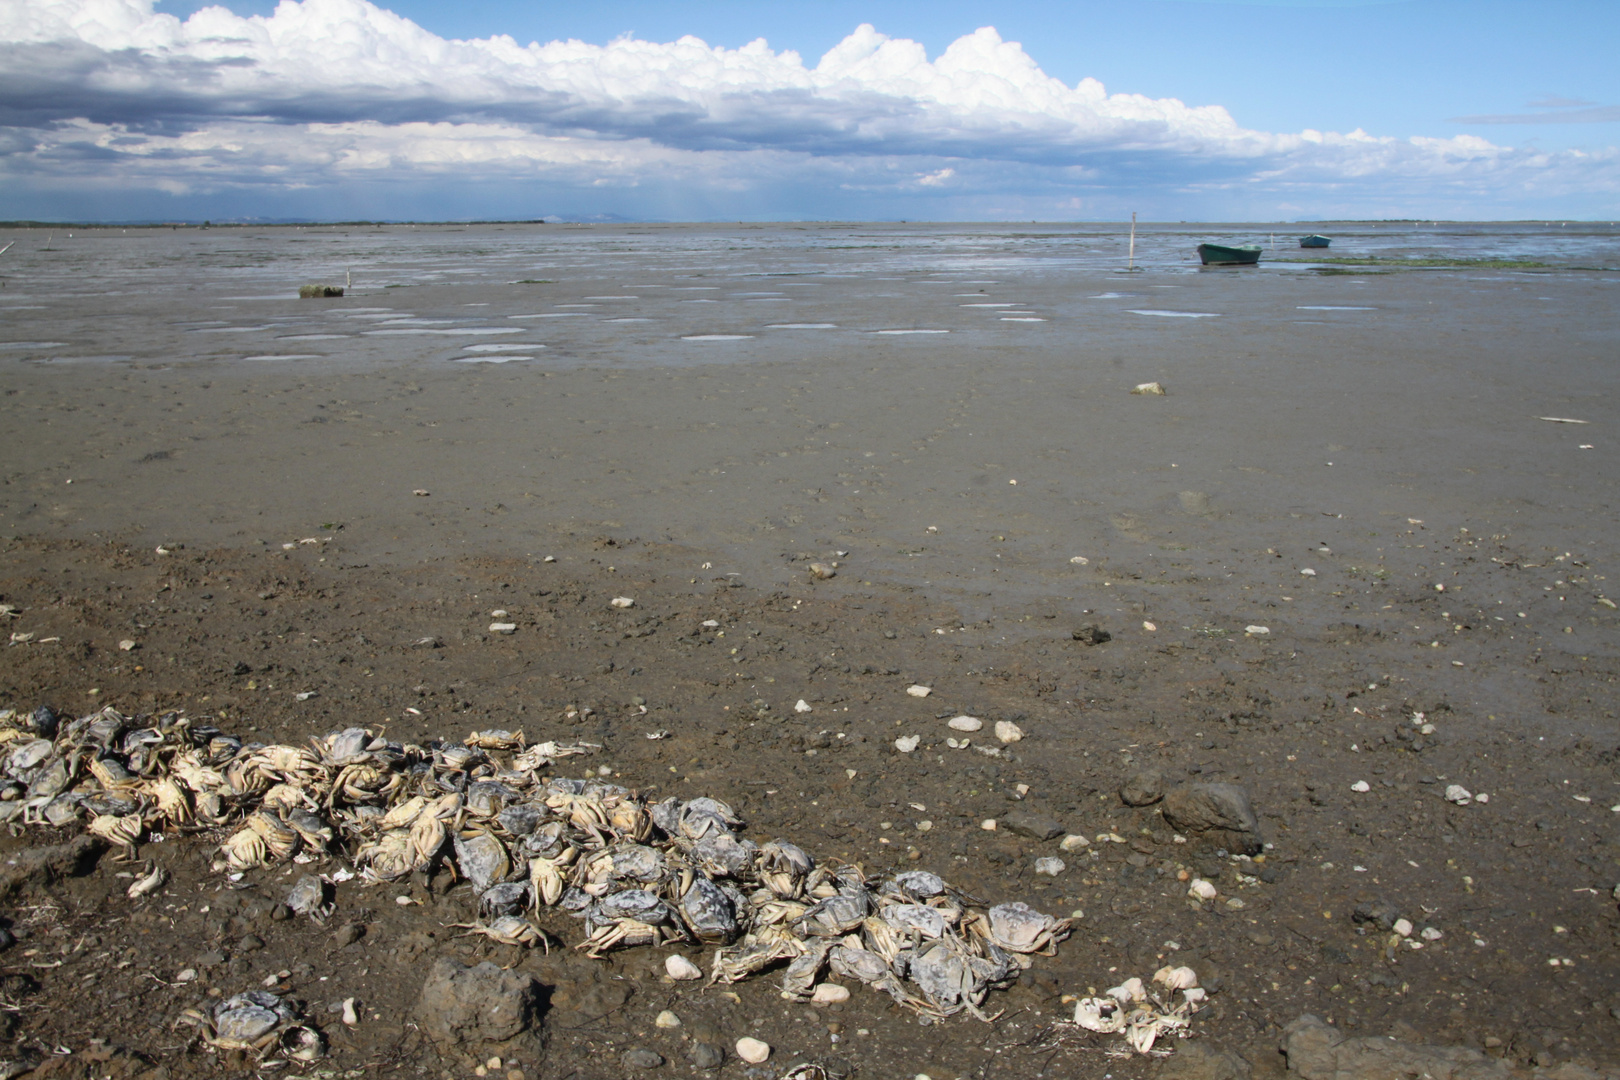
(636, 871)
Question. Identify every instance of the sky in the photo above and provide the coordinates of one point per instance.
(1047, 110)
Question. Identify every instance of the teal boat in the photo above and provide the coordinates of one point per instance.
(1314, 241)
(1221, 255)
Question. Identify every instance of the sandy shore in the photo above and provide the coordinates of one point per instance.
(1353, 462)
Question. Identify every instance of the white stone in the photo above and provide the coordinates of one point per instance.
(681, 969)
(667, 1019)
(829, 994)
(1080, 560)
(989, 825)
(753, 1051)
(919, 690)
(1257, 631)
(907, 743)
(502, 628)
(1458, 794)
(1008, 732)
(1361, 785)
(622, 602)
(1431, 934)
(1151, 389)
(1482, 798)
(1050, 865)
(1202, 890)
(965, 723)
(1074, 842)
(1403, 927)
(801, 706)
(1307, 573)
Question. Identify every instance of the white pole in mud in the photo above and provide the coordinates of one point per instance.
(1131, 263)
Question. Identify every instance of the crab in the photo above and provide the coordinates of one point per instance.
(124, 831)
(783, 868)
(627, 933)
(953, 977)
(388, 858)
(1019, 928)
(251, 1022)
(854, 962)
(243, 850)
(280, 839)
(508, 930)
(496, 739)
(708, 912)
(483, 859)
(543, 754)
(758, 949)
(546, 877)
(836, 914)
(342, 748)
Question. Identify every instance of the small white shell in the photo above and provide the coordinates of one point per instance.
(1129, 990)
(965, 723)
(682, 969)
(1176, 978)
(1008, 732)
(753, 1051)
(1099, 1014)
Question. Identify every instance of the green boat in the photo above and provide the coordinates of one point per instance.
(1221, 255)
(1314, 241)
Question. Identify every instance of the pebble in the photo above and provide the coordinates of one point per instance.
(1074, 842)
(667, 1019)
(829, 994)
(622, 602)
(1202, 890)
(821, 571)
(1050, 865)
(1431, 934)
(682, 969)
(989, 825)
(919, 690)
(502, 628)
(965, 723)
(753, 1051)
(802, 706)
(1307, 573)
(1403, 927)
(1008, 732)
(906, 743)
(1361, 785)
(1456, 793)
(1257, 631)
(641, 1058)
(1151, 389)
(706, 1055)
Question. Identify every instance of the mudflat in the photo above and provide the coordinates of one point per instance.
(1355, 557)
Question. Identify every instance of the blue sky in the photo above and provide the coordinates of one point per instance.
(1182, 109)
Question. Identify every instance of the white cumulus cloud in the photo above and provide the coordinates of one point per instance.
(113, 93)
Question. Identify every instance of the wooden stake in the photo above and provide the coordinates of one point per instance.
(1132, 260)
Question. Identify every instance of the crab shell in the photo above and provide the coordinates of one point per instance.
(783, 868)
(708, 912)
(496, 739)
(483, 859)
(244, 849)
(1099, 1014)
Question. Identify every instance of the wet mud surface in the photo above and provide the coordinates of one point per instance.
(987, 495)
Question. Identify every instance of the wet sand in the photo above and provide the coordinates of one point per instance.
(1379, 430)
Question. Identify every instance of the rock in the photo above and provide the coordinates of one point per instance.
(965, 723)
(319, 292)
(1008, 732)
(49, 864)
(1319, 1052)
(1144, 787)
(1219, 814)
(706, 1055)
(1381, 913)
(821, 571)
(753, 1051)
(667, 1019)
(623, 602)
(641, 1058)
(682, 969)
(348, 934)
(1034, 826)
(1198, 1060)
(1075, 842)
(829, 994)
(919, 690)
(1049, 866)
(906, 743)
(477, 1006)
(1150, 389)
(1092, 634)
